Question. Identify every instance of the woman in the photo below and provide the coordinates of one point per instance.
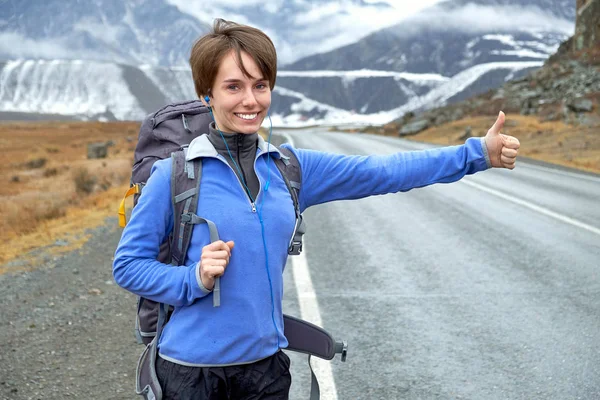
(234, 351)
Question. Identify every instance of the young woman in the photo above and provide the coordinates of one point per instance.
(234, 351)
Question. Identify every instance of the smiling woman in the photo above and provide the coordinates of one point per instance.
(235, 76)
(239, 101)
(226, 334)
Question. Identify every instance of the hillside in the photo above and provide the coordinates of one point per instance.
(554, 111)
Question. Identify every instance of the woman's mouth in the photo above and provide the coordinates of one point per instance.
(247, 117)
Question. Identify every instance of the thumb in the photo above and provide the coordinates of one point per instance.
(498, 125)
(230, 244)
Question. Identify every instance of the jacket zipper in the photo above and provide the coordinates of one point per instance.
(243, 175)
(252, 203)
(242, 178)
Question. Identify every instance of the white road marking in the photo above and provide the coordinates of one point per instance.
(559, 172)
(309, 310)
(531, 206)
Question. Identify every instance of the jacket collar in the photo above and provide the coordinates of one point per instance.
(202, 147)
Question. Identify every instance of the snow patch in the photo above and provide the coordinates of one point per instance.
(365, 73)
(67, 88)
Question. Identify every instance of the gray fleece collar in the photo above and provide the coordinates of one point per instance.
(202, 147)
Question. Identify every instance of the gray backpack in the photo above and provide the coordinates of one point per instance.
(167, 133)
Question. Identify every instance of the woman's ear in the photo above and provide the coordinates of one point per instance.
(205, 100)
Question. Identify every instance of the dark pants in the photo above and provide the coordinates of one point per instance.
(267, 379)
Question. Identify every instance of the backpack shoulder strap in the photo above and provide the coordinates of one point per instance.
(289, 167)
(185, 189)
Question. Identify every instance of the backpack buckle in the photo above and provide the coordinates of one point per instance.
(186, 218)
(295, 248)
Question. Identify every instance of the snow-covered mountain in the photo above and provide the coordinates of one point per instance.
(439, 55)
(300, 28)
(107, 91)
(125, 31)
(160, 32)
(476, 44)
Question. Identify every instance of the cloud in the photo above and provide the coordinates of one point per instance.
(332, 26)
(319, 27)
(48, 49)
(477, 18)
(208, 12)
(28, 48)
(316, 26)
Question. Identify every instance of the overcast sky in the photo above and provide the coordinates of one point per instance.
(315, 26)
(323, 26)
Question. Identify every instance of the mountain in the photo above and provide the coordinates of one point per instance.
(160, 32)
(489, 41)
(132, 60)
(456, 34)
(300, 28)
(124, 31)
(566, 88)
(109, 91)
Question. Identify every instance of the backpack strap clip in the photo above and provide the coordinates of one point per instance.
(186, 218)
(295, 246)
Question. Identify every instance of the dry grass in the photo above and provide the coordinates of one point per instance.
(58, 198)
(555, 142)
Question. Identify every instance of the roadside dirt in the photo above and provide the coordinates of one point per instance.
(66, 330)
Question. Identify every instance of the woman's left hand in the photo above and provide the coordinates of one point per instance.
(502, 149)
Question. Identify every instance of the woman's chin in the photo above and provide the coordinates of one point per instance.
(249, 127)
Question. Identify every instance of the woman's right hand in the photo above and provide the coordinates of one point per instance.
(213, 261)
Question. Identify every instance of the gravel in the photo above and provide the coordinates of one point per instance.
(66, 329)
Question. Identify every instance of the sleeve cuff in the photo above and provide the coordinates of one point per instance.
(485, 153)
(204, 290)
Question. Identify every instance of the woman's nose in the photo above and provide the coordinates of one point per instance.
(249, 100)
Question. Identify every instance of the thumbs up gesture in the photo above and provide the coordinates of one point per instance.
(502, 149)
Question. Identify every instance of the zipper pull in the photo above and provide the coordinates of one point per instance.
(253, 207)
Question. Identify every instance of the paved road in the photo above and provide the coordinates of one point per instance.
(488, 288)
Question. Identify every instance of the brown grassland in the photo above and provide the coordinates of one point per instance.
(553, 141)
(51, 193)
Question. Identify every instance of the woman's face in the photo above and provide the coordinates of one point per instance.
(239, 103)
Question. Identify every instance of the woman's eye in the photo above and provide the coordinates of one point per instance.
(261, 86)
(232, 87)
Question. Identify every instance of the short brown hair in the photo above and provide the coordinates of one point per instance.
(209, 50)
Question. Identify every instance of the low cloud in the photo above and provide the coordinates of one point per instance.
(14, 45)
(316, 26)
(477, 18)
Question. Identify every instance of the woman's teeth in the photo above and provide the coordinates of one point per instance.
(247, 116)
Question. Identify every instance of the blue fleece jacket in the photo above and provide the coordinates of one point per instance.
(241, 330)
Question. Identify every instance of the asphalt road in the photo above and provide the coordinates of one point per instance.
(487, 288)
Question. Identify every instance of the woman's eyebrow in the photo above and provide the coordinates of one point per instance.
(235, 80)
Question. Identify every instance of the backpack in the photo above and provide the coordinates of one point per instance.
(166, 134)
